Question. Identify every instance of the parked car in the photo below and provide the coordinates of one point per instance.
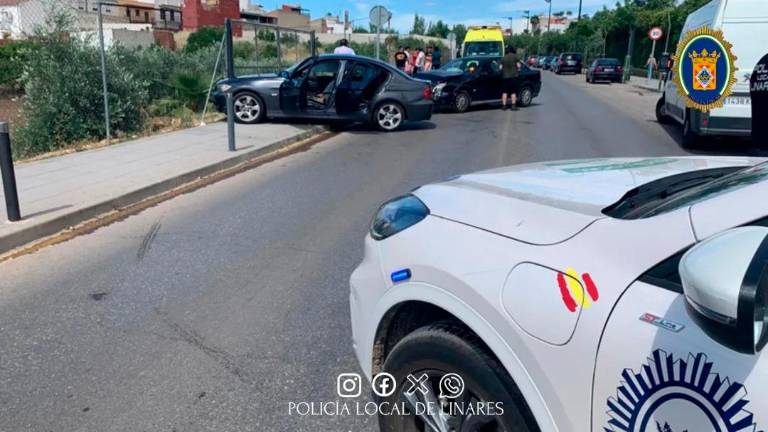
(742, 23)
(552, 63)
(595, 295)
(605, 69)
(331, 87)
(532, 61)
(469, 81)
(541, 61)
(568, 62)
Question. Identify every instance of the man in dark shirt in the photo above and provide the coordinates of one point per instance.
(436, 58)
(510, 70)
(400, 58)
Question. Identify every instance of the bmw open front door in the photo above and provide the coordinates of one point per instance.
(658, 371)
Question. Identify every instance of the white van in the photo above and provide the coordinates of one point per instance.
(745, 25)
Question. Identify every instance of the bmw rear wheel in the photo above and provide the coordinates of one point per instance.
(525, 97)
(248, 108)
(462, 102)
(389, 116)
(488, 400)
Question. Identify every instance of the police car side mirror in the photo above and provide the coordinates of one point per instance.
(725, 282)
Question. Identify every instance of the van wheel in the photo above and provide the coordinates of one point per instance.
(661, 111)
(690, 138)
(434, 351)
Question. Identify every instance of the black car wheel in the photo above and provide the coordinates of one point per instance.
(439, 349)
(525, 97)
(690, 138)
(389, 116)
(661, 111)
(248, 108)
(461, 102)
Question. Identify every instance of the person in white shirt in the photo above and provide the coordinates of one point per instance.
(420, 58)
(344, 48)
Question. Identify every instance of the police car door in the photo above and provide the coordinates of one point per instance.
(658, 371)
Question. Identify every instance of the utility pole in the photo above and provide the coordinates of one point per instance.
(527, 20)
(578, 17)
(669, 30)
(628, 61)
(549, 15)
(103, 52)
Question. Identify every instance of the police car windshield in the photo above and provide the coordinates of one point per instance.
(460, 65)
(683, 190)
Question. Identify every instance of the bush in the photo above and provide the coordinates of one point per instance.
(204, 37)
(12, 58)
(243, 50)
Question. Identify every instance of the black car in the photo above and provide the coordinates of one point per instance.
(331, 87)
(568, 62)
(468, 81)
(605, 69)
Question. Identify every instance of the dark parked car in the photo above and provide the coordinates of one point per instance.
(568, 62)
(468, 81)
(332, 87)
(550, 63)
(605, 69)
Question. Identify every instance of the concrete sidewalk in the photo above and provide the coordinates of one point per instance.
(63, 191)
(645, 84)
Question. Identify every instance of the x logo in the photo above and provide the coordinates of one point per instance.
(417, 384)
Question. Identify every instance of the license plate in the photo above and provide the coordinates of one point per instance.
(738, 100)
(571, 63)
(609, 69)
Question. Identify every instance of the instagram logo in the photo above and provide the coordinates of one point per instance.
(348, 385)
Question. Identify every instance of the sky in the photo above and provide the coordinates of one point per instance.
(451, 11)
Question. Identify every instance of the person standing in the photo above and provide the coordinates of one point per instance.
(419, 62)
(401, 57)
(408, 60)
(436, 57)
(510, 70)
(428, 60)
(344, 48)
(651, 64)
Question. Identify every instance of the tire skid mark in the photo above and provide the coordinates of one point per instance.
(146, 243)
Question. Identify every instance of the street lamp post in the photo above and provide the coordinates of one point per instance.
(549, 15)
(578, 17)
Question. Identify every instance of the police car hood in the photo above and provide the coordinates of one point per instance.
(549, 202)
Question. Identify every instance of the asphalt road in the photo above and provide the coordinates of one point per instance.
(213, 311)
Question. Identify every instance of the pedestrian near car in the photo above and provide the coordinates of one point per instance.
(651, 64)
(401, 57)
(344, 48)
(408, 60)
(510, 70)
(428, 60)
(418, 64)
(437, 62)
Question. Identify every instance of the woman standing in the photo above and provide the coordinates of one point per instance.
(428, 59)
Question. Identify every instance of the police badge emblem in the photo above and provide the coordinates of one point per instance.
(704, 71)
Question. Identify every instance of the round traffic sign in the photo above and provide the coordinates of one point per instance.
(655, 33)
(379, 16)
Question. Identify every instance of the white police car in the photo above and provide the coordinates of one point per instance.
(585, 295)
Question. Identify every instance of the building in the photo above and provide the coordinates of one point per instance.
(255, 13)
(291, 16)
(329, 24)
(159, 14)
(558, 24)
(516, 26)
(208, 13)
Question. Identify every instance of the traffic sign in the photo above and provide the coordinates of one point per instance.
(379, 16)
(655, 33)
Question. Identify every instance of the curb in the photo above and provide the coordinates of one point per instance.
(77, 216)
(650, 89)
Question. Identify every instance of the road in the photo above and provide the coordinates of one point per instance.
(213, 311)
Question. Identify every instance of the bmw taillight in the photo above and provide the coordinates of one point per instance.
(620, 69)
(599, 69)
(427, 92)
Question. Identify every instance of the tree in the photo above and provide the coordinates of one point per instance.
(359, 29)
(460, 30)
(419, 25)
(204, 37)
(438, 29)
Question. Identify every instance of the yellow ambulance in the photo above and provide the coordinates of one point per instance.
(483, 41)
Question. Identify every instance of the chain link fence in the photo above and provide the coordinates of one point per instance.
(57, 57)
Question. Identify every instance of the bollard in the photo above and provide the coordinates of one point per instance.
(9, 177)
(231, 121)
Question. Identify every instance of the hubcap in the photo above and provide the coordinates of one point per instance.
(247, 108)
(446, 416)
(526, 97)
(461, 102)
(389, 116)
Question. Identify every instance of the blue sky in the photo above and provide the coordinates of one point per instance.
(451, 11)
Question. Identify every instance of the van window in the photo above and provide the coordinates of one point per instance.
(746, 45)
(482, 49)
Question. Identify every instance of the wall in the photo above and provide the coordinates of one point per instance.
(9, 22)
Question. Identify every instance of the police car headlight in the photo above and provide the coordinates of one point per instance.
(224, 88)
(397, 215)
